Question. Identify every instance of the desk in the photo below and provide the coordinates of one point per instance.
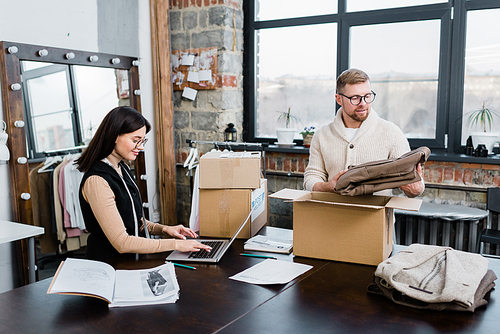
(329, 298)
(10, 232)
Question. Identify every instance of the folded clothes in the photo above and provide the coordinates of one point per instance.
(367, 178)
(434, 277)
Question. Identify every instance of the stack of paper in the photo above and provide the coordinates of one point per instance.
(269, 244)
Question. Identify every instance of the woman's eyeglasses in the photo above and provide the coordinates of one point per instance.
(138, 142)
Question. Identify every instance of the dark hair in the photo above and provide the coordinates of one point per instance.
(118, 121)
(351, 76)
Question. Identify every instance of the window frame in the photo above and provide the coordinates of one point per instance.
(452, 15)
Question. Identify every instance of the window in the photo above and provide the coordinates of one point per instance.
(430, 62)
(482, 67)
(403, 64)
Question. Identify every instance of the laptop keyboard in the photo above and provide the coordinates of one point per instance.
(203, 254)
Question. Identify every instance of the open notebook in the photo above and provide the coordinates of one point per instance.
(219, 247)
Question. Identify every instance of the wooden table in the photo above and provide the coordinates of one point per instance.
(329, 298)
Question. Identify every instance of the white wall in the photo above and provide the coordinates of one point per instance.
(109, 26)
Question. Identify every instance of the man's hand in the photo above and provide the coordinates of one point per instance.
(414, 189)
(330, 185)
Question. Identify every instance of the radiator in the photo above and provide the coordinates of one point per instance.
(458, 234)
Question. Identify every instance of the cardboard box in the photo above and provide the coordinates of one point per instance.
(223, 210)
(357, 229)
(230, 170)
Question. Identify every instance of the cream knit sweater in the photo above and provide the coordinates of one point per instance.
(332, 152)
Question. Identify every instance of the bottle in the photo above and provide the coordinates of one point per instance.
(469, 147)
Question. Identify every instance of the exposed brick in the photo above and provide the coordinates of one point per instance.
(436, 175)
(459, 176)
(448, 164)
(272, 163)
(286, 164)
(206, 3)
(227, 81)
(186, 3)
(472, 166)
(302, 167)
(430, 163)
(293, 166)
(496, 181)
(487, 179)
(468, 175)
(279, 164)
(448, 175)
(198, 3)
(490, 167)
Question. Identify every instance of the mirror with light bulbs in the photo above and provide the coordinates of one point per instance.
(53, 100)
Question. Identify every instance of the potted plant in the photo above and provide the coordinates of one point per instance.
(484, 119)
(286, 127)
(307, 135)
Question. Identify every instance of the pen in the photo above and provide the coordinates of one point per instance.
(183, 266)
(262, 256)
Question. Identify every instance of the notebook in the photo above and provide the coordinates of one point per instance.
(219, 247)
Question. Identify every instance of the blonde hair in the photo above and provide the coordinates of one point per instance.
(351, 76)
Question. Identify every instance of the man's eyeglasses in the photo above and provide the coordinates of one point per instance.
(138, 142)
(356, 99)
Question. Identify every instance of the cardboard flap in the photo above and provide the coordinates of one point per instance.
(404, 203)
(290, 194)
(357, 205)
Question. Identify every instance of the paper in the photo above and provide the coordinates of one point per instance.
(271, 272)
(193, 77)
(205, 75)
(187, 60)
(189, 93)
(269, 244)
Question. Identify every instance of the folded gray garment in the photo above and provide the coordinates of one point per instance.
(486, 284)
(365, 179)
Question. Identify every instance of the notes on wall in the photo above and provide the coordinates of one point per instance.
(194, 69)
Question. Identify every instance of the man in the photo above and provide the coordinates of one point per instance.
(357, 135)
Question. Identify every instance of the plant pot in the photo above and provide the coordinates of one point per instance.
(307, 140)
(285, 135)
(486, 138)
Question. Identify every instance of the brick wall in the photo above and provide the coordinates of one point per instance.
(207, 24)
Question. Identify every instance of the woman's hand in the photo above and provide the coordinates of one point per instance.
(190, 246)
(179, 231)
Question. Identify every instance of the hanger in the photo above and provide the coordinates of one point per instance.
(50, 161)
(194, 160)
(188, 159)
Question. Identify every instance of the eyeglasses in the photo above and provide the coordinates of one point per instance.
(356, 99)
(138, 142)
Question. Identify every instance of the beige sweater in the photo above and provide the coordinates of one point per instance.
(332, 152)
(99, 195)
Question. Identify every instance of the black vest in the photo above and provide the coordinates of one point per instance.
(98, 246)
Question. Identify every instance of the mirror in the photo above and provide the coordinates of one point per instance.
(53, 67)
(64, 104)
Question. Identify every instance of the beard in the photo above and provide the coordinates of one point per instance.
(353, 115)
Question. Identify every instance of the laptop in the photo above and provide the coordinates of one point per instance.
(219, 247)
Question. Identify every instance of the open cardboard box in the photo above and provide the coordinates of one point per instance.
(223, 210)
(357, 229)
(230, 170)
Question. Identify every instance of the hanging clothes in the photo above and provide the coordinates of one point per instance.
(194, 218)
(43, 208)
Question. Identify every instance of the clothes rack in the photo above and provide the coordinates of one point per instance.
(236, 146)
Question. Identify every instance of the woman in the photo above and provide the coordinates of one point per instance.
(109, 197)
